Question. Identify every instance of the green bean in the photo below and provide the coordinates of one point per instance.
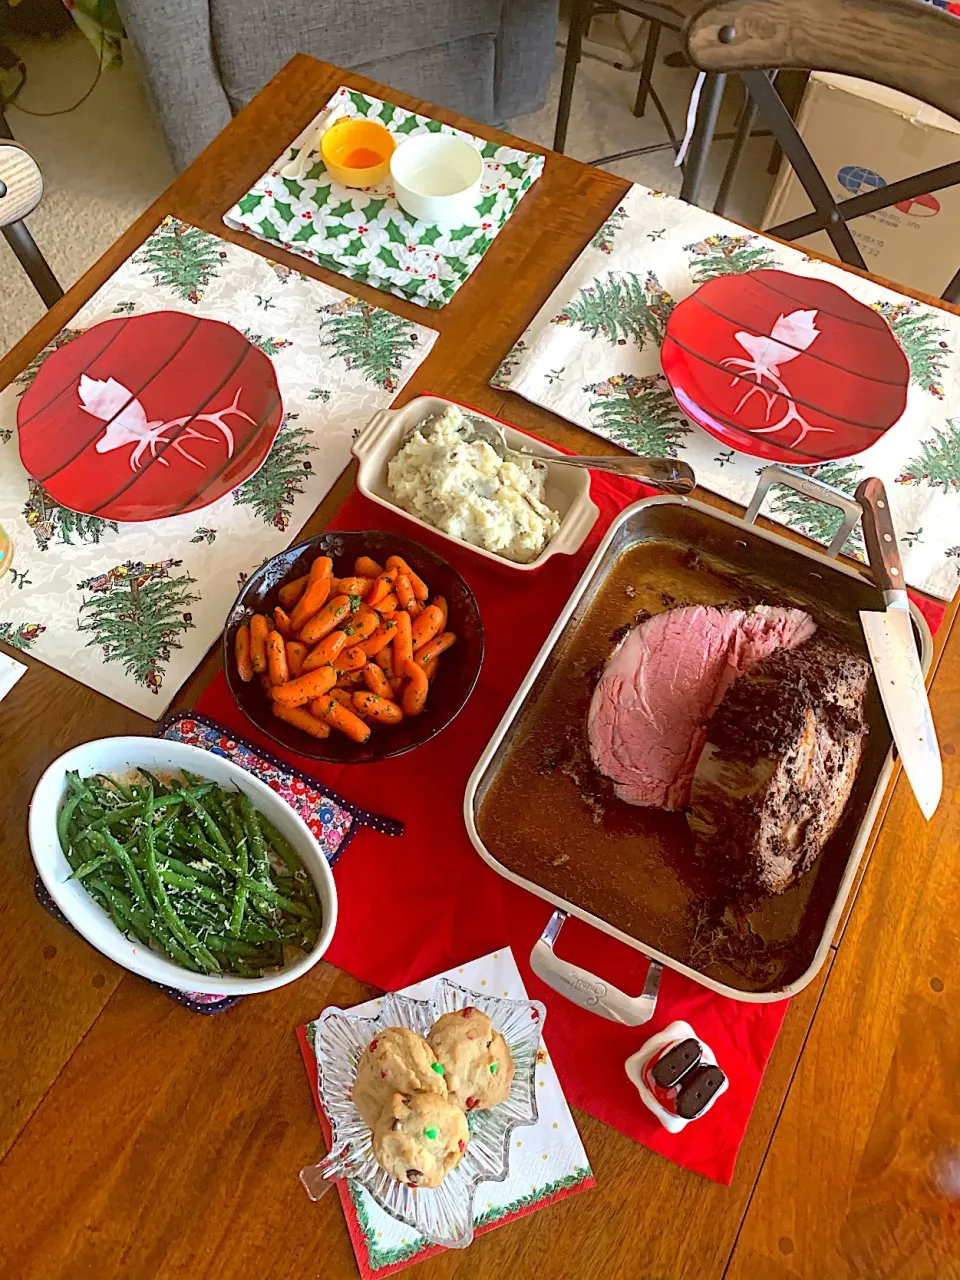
(286, 852)
(240, 897)
(186, 882)
(190, 869)
(133, 920)
(211, 829)
(277, 899)
(64, 819)
(258, 850)
(109, 844)
(234, 819)
(88, 868)
(162, 899)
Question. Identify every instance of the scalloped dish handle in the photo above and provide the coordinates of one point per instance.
(586, 989)
(380, 425)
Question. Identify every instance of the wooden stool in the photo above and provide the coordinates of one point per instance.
(21, 189)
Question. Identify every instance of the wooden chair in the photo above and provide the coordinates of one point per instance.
(21, 189)
(904, 44)
(671, 14)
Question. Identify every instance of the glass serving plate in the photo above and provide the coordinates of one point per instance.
(444, 1214)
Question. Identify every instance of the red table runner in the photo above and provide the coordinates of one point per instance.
(415, 906)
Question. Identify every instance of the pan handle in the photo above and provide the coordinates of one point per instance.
(586, 989)
(818, 491)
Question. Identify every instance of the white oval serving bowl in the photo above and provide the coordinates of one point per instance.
(437, 178)
(118, 756)
(567, 489)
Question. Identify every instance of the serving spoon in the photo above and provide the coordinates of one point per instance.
(669, 474)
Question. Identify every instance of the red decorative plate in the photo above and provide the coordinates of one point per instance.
(785, 367)
(149, 416)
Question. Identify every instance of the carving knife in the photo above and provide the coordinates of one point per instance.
(893, 652)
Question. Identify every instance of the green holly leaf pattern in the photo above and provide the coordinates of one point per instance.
(268, 230)
(340, 210)
(490, 150)
(461, 233)
(294, 189)
(352, 249)
(387, 112)
(316, 172)
(360, 272)
(306, 232)
(326, 261)
(394, 234)
(433, 126)
(486, 205)
(480, 247)
(388, 258)
(284, 211)
(407, 126)
(431, 235)
(360, 101)
(249, 202)
(371, 210)
(515, 169)
(332, 230)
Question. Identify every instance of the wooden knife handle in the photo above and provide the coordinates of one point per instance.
(880, 536)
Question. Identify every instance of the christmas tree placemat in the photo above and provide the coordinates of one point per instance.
(365, 234)
(130, 609)
(592, 354)
(547, 1160)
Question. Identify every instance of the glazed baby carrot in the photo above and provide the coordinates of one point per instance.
(322, 567)
(380, 638)
(327, 620)
(415, 608)
(328, 650)
(375, 708)
(259, 630)
(291, 593)
(296, 652)
(281, 621)
(388, 605)
(434, 649)
(301, 719)
(344, 720)
(376, 681)
(364, 567)
(311, 602)
(438, 602)
(402, 641)
(426, 627)
(350, 679)
(241, 650)
(415, 690)
(418, 584)
(431, 668)
(384, 661)
(353, 586)
(318, 705)
(350, 660)
(404, 591)
(277, 659)
(297, 693)
(362, 625)
(381, 587)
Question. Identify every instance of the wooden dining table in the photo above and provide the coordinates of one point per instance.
(141, 1141)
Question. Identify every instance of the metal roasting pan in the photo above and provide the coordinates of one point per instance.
(786, 570)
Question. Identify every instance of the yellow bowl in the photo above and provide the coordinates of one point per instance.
(357, 152)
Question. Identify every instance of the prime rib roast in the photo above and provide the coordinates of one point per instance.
(743, 717)
(782, 753)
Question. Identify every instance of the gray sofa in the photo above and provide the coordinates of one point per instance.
(205, 59)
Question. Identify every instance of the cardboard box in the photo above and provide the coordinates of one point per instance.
(864, 135)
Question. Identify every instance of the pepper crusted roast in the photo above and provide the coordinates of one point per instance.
(782, 753)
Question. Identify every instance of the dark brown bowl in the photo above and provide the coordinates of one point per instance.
(456, 676)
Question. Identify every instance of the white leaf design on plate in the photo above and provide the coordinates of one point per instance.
(111, 399)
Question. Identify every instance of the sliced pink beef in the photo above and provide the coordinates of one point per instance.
(646, 724)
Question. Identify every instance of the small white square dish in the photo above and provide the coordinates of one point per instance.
(567, 489)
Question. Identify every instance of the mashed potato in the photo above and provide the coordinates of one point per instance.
(467, 490)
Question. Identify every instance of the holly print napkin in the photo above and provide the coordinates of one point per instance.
(592, 354)
(365, 234)
(130, 609)
(547, 1163)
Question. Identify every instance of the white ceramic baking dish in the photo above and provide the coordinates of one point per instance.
(567, 488)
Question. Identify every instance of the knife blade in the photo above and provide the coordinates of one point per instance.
(893, 653)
